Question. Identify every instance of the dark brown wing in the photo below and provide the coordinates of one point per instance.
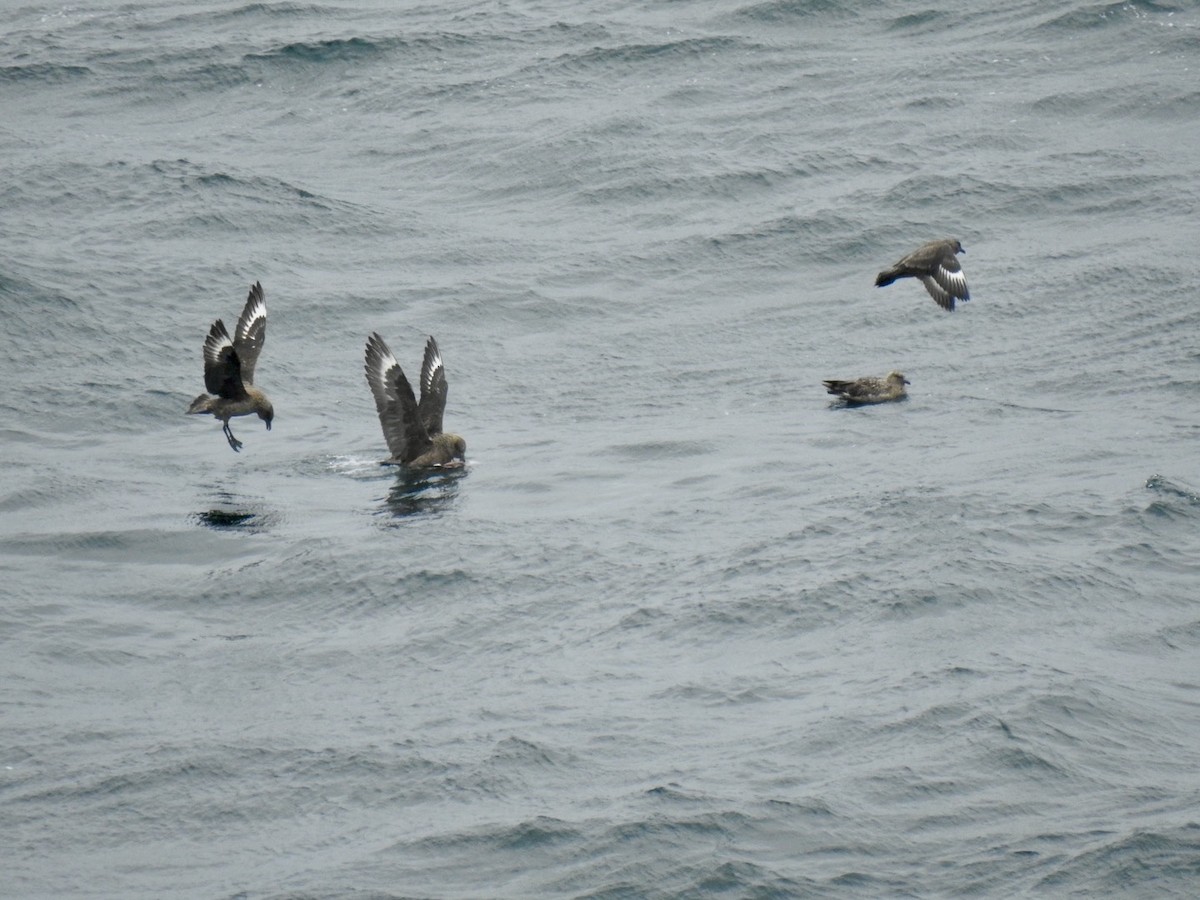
(860, 390)
(394, 401)
(251, 331)
(434, 389)
(222, 367)
(941, 296)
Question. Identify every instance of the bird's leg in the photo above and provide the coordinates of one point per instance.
(233, 442)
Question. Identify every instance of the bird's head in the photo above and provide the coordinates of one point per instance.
(452, 448)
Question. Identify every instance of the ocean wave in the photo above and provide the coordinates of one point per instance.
(638, 60)
(1128, 860)
(1086, 17)
(43, 73)
(785, 12)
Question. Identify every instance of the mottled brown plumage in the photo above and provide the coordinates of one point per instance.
(229, 365)
(870, 389)
(413, 430)
(938, 268)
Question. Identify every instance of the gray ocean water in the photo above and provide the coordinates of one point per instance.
(681, 628)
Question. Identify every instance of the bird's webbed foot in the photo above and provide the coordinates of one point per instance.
(233, 442)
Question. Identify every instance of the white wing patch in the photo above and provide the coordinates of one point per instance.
(957, 281)
(257, 311)
(435, 366)
(214, 344)
(386, 384)
(386, 360)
